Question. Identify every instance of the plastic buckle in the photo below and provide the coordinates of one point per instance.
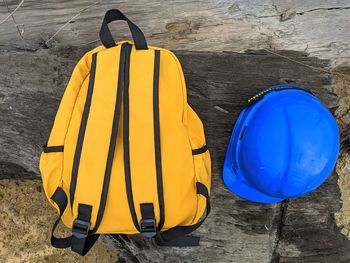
(148, 227)
(80, 228)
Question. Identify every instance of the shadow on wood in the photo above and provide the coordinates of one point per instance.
(219, 85)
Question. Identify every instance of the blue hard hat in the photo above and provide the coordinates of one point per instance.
(284, 145)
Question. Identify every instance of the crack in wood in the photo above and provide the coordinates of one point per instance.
(323, 8)
(275, 258)
(290, 13)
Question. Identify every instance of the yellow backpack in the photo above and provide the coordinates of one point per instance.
(126, 153)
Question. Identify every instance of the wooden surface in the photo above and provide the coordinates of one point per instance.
(319, 27)
(300, 230)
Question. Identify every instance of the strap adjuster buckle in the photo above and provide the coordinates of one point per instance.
(148, 227)
(80, 228)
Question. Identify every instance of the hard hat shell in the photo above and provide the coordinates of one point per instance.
(282, 146)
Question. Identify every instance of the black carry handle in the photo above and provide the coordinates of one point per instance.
(106, 36)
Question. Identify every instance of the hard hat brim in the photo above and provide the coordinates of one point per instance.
(240, 188)
(233, 179)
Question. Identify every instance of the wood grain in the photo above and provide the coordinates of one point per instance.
(32, 83)
(318, 27)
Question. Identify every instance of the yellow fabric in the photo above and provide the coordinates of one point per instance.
(181, 131)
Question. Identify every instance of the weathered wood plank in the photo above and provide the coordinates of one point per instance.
(308, 232)
(32, 83)
(190, 25)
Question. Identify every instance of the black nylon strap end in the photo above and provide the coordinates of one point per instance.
(82, 241)
(202, 190)
(61, 200)
(148, 225)
(51, 149)
(185, 241)
(177, 236)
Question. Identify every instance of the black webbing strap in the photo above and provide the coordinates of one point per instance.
(106, 36)
(148, 225)
(52, 149)
(81, 240)
(200, 150)
(182, 241)
(60, 198)
(203, 190)
(177, 236)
